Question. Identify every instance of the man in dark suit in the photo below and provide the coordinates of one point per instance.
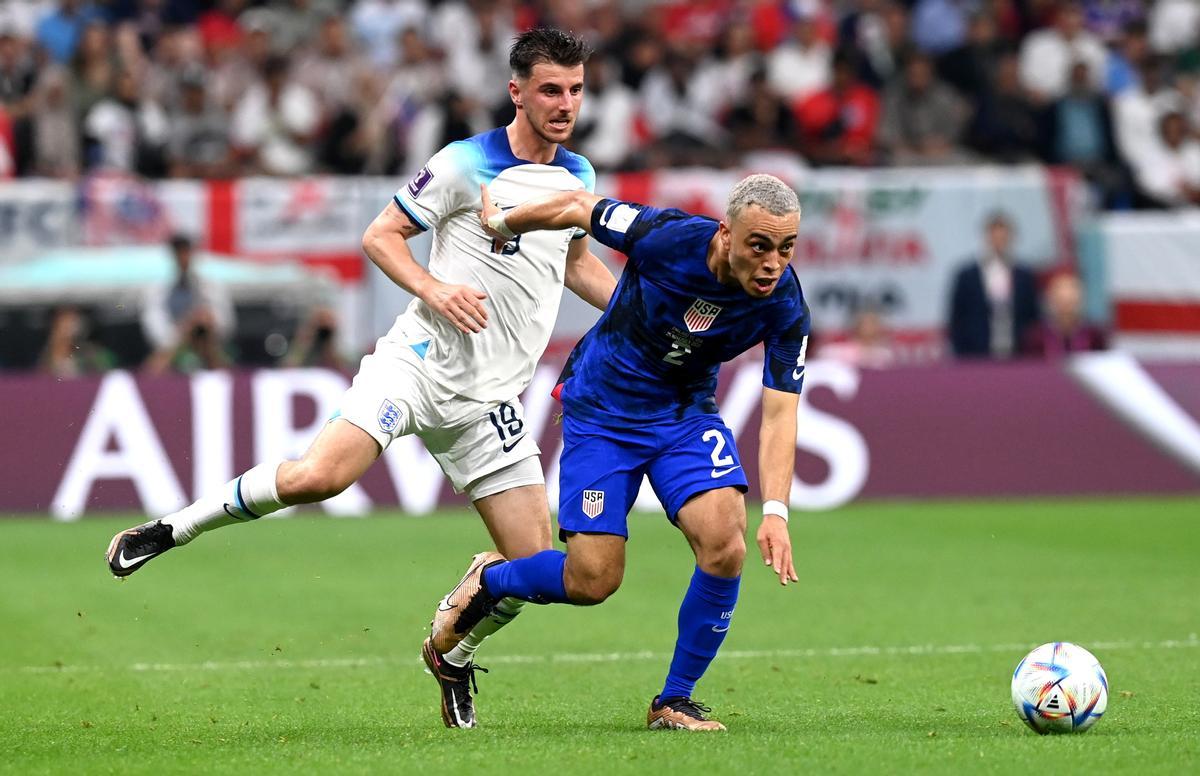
(994, 299)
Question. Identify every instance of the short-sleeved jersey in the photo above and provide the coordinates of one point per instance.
(523, 278)
(655, 353)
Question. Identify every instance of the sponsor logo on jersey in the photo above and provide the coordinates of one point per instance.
(593, 503)
(389, 416)
(700, 316)
(419, 182)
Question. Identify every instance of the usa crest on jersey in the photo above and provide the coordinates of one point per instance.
(700, 316)
(593, 503)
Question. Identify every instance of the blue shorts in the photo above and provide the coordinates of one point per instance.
(602, 466)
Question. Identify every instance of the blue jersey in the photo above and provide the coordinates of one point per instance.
(655, 353)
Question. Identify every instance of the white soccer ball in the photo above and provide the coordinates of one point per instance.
(1059, 688)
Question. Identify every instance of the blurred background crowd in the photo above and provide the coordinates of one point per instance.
(156, 90)
(212, 88)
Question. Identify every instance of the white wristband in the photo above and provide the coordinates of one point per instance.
(777, 508)
(496, 224)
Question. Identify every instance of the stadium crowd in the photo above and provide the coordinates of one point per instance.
(211, 88)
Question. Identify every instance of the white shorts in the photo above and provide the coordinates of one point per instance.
(393, 396)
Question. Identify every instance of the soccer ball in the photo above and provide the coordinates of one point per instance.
(1059, 688)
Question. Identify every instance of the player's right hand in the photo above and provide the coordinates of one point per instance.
(461, 305)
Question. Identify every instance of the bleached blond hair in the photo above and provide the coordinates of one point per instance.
(766, 191)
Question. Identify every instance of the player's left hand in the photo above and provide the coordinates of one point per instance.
(489, 210)
(776, 547)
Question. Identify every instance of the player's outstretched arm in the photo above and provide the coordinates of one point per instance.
(554, 211)
(776, 464)
(386, 243)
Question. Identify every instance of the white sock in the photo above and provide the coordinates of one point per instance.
(244, 498)
(502, 615)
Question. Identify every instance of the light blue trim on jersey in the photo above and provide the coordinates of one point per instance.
(489, 154)
(420, 348)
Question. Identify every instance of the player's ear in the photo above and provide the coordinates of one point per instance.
(514, 93)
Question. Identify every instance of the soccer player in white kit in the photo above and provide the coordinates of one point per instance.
(452, 367)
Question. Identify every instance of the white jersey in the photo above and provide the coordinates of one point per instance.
(523, 279)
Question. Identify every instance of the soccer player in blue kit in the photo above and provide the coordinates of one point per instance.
(638, 395)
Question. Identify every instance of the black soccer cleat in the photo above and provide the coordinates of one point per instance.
(135, 547)
(456, 684)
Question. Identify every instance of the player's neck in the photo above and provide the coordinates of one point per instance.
(718, 261)
(527, 144)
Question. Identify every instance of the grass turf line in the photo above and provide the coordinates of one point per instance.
(315, 589)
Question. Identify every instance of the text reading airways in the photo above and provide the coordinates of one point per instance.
(122, 441)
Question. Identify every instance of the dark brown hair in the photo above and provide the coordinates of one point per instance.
(546, 44)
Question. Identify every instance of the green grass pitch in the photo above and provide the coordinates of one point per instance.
(291, 646)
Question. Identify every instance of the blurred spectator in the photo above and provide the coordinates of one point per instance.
(316, 342)
(198, 136)
(59, 31)
(17, 77)
(839, 124)
(94, 67)
(355, 137)
(672, 107)
(1169, 173)
(869, 345)
(8, 148)
(330, 67)
(939, 26)
(761, 120)
(922, 117)
(188, 321)
(378, 24)
(1137, 110)
(218, 26)
(722, 78)
(882, 40)
(1079, 133)
(451, 118)
(1047, 54)
(475, 36)
(177, 53)
(291, 22)
(800, 67)
(70, 351)
(56, 135)
(993, 300)
(275, 123)
(1064, 329)
(236, 71)
(604, 131)
(1126, 58)
(969, 68)
(1174, 25)
(126, 133)
(1108, 18)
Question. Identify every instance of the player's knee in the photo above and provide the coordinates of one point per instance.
(591, 589)
(724, 556)
(307, 483)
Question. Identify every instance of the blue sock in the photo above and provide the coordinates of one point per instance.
(538, 578)
(704, 618)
